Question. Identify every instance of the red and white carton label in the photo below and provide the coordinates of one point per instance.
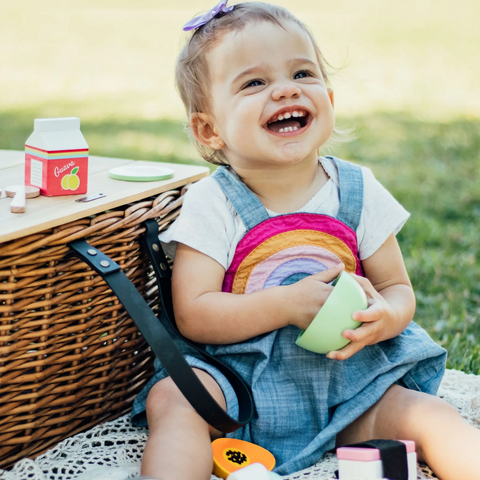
(50, 164)
(59, 176)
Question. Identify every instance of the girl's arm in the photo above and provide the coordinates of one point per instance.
(205, 314)
(390, 297)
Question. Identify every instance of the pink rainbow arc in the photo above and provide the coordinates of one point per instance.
(288, 223)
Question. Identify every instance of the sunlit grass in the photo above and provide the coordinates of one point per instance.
(103, 58)
(433, 170)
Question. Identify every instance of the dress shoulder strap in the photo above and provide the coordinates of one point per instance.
(252, 212)
(244, 201)
(350, 180)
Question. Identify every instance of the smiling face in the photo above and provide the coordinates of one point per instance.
(270, 104)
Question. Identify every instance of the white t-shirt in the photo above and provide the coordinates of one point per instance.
(209, 224)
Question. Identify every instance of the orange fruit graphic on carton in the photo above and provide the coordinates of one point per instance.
(71, 181)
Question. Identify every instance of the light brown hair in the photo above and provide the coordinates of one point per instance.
(192, 77)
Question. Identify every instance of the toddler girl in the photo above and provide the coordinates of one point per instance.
(257, 244)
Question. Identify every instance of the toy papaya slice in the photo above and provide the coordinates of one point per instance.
(230, 454)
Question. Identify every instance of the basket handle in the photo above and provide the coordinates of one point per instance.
(158, 338)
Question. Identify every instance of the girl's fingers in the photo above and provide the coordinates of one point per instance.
(345, 352)
(366, 285)
(373, 313)
(363, 281)
(362, 334)
(359, 338)
(329, 274)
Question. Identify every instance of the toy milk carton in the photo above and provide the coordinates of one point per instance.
(56, 157)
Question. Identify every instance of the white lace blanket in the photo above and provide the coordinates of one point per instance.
(113, 451)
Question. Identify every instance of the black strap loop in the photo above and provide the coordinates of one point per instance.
(393, 455)
(158, 338)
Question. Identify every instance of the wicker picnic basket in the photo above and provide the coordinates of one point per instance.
(70, 356)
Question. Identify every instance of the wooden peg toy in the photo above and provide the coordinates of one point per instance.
(255, 471)
(20, 193)
(378, 459)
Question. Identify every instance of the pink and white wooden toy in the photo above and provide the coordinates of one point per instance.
(254, 471)
(365, 463)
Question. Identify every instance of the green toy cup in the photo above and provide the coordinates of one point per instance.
(324, 334)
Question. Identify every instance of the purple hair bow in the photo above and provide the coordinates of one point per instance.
(206, 17)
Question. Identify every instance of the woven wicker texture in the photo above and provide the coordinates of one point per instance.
(70, 357)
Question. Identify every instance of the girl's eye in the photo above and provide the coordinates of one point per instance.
(302, 74)
(253, 83)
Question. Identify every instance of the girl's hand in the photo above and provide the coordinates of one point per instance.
(376, 320)
(309, 294)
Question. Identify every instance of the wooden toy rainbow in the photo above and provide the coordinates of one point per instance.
(287, 248)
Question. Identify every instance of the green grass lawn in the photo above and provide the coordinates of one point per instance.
(433, 169)
(111, 64)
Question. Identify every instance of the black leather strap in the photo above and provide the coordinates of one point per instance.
(164, 279)
(158, 338)
(393, 455)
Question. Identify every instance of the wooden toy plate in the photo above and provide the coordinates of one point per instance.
(140, 173)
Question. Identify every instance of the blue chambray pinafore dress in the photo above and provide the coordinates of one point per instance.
(303, 399)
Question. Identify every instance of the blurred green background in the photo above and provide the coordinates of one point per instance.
(406, 78)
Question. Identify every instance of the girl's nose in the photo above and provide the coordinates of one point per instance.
(285, 91)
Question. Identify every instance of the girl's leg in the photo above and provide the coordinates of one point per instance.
(444, 440)
(179, 442)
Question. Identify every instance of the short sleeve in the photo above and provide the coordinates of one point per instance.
(205, 223)
(381, 216)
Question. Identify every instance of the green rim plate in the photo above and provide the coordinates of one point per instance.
(140, 173)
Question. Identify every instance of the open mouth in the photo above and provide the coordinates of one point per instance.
(288, 121)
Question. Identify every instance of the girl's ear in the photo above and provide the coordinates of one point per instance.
(205, 131)
(330, 95)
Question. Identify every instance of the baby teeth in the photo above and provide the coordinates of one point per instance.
(287, 115)
(287, 129)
